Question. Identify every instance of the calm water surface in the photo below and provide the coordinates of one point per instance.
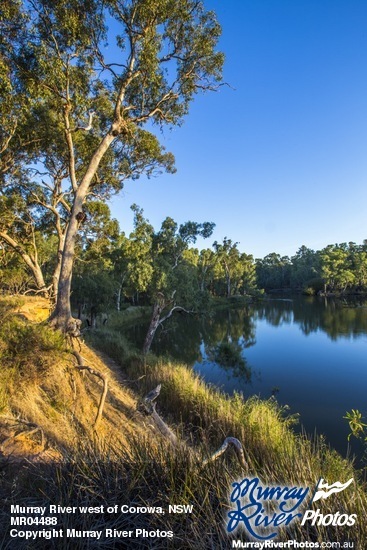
(311, 353)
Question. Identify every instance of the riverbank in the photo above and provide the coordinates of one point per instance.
(203, 416)
(127, 461)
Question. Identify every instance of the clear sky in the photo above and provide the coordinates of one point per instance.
(279, 158)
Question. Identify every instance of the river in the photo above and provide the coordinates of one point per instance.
(309, 353)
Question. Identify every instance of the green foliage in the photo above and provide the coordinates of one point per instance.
(229, 355)
(114, 343)
(14, 278)
(336, 268)
(27, 351)
(75, 125)
(233, 272)
(308, 291)
(357, 427)
(27, 348)
(336, 272)
(273, 272)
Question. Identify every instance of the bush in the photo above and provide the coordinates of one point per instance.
(314, 285)
(27, 350)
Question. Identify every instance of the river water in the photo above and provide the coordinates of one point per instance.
(310, 353)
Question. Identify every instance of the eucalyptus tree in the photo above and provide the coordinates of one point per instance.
(336, 267)
(273, 271)
(14, 102)
(228, 257)
(14, 278)
(18, 225)
(132, 259)
(206, 264)
(97, 95)
(173, 284)
(359, 262)
(247, 281)
(305, 267)
(18, 233)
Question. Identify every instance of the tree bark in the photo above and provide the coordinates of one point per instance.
(157, 320)
(62, 313)
(56, 274)
(118, 298)
(156, 317)
(228, 277)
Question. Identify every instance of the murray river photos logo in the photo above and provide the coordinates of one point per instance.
(262, 510)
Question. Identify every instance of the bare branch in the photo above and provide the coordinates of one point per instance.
(99, 375)
(90, 121)
(229, 442)
(175, 308)
(147, 406)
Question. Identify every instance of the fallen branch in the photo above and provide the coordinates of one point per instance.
(99, 375)
(148, 407)
(229, 442)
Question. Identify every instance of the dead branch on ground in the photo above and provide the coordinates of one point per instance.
(99, 375)
(148, 407)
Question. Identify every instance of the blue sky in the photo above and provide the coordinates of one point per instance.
(277, 159)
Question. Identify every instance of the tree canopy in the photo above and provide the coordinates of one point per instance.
(85, 83)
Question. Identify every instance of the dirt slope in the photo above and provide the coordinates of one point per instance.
(53, 412)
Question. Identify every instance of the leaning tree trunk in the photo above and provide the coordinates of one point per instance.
(157, 310)
(61, 316)
(157, 320)
(56, 274)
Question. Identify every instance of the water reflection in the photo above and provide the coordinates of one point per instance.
(229, 356)
(311, 352)
(200, 338)
(183, 337)
(335, 318)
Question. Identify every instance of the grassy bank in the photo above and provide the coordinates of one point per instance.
(204, 417)
(127, 461)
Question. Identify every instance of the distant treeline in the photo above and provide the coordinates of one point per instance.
(163, 268)
(337, 268)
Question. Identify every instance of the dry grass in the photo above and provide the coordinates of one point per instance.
(127, 462)
(40, 385)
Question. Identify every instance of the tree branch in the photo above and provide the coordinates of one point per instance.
(99, 375)
(229, 442)
(90, 121)
(175, 308)
(148, 407)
